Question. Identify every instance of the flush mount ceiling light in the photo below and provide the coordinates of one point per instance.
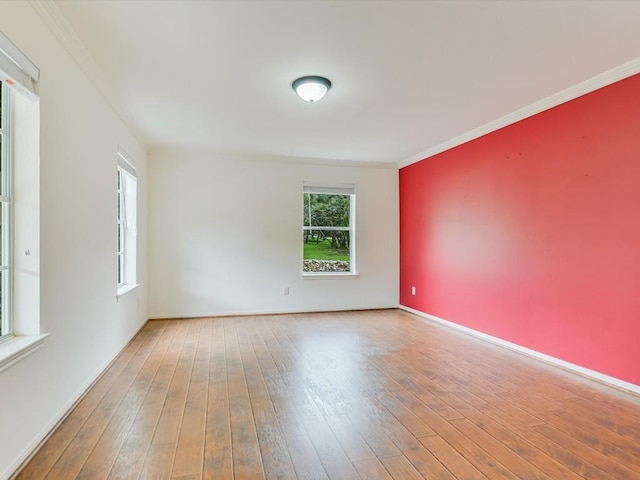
(311, 88)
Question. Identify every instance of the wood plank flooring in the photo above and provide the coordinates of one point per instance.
(349, 395)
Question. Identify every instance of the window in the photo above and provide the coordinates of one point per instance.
(19, 206)
(5, 212)
(328, 229)
(127, 224)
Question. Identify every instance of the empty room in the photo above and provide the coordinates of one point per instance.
(320, 240)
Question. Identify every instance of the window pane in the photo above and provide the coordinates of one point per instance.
(306, 209)
(326, 210)
(3, 226)
(126, 213)
(4, 302)
(4, 139)
(120, 269)
(2, 309)
(1, 160)
(326, 249)
(120, 238)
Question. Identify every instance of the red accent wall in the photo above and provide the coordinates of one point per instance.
(532, 232)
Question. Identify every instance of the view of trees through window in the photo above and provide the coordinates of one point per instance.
(327, 233)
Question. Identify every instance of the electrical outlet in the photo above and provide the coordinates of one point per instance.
(285, 291)
(413, 290)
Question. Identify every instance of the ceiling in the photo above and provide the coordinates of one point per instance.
(407, 75)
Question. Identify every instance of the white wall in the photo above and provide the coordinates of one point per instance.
(225, 236)
(80, 135)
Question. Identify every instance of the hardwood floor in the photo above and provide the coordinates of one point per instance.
(370, 395)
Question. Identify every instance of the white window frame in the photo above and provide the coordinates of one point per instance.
(346, 189)
(6, 222)
(120, 221)
(126, 215)
(20, 177)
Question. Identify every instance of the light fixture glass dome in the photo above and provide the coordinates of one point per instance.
(311, 88)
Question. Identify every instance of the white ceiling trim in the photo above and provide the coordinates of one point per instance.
(218, 155)
(328, 161)
(53, 18)
(602, 80)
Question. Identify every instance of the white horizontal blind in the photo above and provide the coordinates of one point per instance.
(16, 69)
(129, 190)
(332, 229)
(332, 189)
(125, 163)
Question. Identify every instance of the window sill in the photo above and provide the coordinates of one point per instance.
(19, 347)
(126, 289)
(327, 276)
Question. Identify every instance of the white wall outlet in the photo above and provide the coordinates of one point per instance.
(413, 290)
(285, 291)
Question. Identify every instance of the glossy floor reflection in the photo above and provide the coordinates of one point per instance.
(371, 394)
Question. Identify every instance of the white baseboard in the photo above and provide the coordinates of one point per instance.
(30, 450)
(266, 312)
(42, 436)
(600, 377)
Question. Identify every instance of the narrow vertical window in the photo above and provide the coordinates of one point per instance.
(120, 231)
(328, 229)
(5, 212)
(126, 202)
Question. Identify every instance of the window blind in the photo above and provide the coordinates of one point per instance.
(16, 69)
(125, 163)
(129, 190)
(330, 189)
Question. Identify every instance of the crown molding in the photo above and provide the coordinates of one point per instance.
(602, 80)
(68, 38)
